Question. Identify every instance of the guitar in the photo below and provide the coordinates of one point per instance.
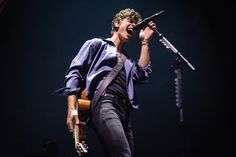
(79, 133)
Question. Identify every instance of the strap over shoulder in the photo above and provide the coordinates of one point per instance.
(109, 78)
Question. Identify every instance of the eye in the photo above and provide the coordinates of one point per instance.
(132, 21)
(129, 20)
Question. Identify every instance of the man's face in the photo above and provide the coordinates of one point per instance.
(125, 30)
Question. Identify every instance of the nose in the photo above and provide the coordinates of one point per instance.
(133, 24)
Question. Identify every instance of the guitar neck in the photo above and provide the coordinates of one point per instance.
(76, 135)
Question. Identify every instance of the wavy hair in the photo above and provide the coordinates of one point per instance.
(131, 13)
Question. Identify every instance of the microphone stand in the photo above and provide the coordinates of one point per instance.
(178, 83)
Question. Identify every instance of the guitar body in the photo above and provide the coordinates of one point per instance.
(83, 108)
(80, 130)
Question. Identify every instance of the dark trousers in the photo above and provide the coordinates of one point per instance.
(111, 121)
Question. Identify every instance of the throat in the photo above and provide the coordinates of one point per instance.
(118, 43)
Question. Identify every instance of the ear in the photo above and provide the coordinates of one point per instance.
(116, 25)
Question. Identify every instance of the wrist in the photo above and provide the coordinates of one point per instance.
(145, 42)
(72, 113)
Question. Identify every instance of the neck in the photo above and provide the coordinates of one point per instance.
(118, 42)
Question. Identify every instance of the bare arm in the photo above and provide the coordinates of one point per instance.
(145, 35)
(72, 114)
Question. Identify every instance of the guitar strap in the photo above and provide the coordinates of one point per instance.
(81, 147)
(115, 70)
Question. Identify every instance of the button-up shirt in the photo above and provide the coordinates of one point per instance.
(94, 61)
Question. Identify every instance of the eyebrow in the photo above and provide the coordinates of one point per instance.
(130, 19)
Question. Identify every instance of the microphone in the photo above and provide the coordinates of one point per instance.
(143, 23)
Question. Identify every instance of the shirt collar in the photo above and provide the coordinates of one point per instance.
(108, 40)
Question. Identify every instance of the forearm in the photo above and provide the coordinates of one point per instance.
(144, 58)
(71, 103)
(72, 113)
(145, 35)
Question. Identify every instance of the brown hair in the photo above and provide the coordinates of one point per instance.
(131, 13)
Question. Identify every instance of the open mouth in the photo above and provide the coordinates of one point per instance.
(130, 31)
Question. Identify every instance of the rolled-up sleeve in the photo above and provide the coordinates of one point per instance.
(141, 75)
(75, 75)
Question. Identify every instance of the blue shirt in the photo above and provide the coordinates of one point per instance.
(94, 61)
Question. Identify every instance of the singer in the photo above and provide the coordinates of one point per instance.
(110, 116)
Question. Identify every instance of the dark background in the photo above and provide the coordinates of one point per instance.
(39, 38)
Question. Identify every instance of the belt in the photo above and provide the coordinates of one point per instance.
(120, 99)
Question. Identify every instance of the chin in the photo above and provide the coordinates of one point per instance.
(125, 39)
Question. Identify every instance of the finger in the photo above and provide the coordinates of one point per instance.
(69, 124)
(76, 119)
(152, 25)
(70, 128)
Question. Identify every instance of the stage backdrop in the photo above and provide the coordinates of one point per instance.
(39, 39)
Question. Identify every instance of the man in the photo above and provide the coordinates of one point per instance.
(110, 117)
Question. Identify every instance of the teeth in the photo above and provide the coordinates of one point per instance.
(130, 31)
